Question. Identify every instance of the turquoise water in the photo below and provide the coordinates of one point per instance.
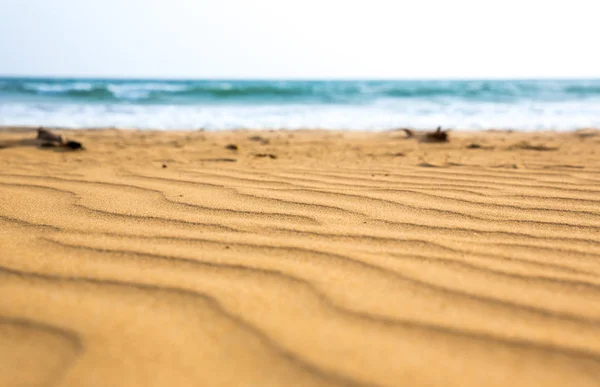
(370, 105)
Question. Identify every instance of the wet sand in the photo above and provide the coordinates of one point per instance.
(303, 258)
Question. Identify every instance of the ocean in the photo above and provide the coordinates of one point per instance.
(352, 105)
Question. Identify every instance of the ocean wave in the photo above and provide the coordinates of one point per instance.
(586, 90)
(66, 89)
(329, 92)
(154, 91)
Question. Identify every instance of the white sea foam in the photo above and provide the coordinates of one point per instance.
(384, 114)
(58, 87)
(135, 91)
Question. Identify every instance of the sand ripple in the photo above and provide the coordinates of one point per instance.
(333, 264)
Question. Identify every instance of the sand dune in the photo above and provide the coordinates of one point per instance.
(304, 258)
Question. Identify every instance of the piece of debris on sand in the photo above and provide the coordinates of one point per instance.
(524, 145)
(260, 139)
(73, 145)
(49, 139)
(394, 154)
(220, 160)
(44, 139)
(262, 155)
(587, 133)
(232, 147)
(409, 133)
(47, 136)
(507, 166)
(425, 164)
(479, 146)
(438, 135)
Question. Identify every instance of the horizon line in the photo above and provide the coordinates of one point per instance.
(299, 79)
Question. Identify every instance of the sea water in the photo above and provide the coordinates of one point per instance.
(275, 104)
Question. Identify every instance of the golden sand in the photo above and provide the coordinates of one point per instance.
(302, 258)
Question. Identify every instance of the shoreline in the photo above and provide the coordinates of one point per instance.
(22, 128)
(490, 148)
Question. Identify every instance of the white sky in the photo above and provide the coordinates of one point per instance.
(301, 38)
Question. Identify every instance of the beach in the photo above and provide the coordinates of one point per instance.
(300, 258)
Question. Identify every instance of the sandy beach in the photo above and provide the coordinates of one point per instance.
(300, 258)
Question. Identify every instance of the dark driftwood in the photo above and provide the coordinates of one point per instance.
(438, 135)
(49, 139)
(46, 135)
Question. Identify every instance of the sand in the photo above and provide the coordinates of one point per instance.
(303, 258)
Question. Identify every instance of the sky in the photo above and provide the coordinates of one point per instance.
(306, 39)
